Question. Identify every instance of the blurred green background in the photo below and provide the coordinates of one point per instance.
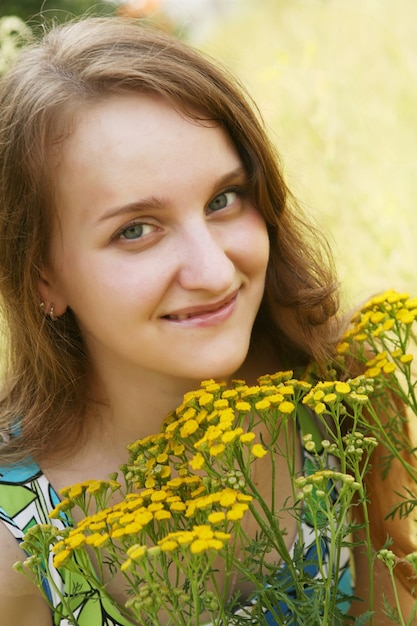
(336, 82)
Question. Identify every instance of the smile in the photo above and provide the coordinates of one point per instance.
(206, 311)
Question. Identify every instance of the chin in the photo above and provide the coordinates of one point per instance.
(224, 370)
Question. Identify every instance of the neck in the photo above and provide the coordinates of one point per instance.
(135, 408)
(125, 408)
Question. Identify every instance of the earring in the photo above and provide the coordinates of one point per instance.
(42, 304)
(51, 313)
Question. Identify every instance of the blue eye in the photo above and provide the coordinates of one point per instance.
(135, 231)
(222, 200)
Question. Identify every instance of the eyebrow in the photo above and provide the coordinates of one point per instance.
(154, 203)
(136, 206)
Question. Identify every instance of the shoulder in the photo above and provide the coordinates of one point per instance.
(20, 601)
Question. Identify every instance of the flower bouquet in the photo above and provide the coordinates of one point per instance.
(173, 523)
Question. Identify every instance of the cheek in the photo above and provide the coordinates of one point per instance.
(124, 283)
(254, 243)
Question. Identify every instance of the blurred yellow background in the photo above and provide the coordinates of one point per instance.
(336, 82)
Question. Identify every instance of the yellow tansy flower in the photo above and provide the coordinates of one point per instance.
(143, 517)
(75, 540)
(237, 512)
(163, 514)
(231, 435)
(247, 437)
(342, 388)
(136, 552)
(258, 451)
(286, 407)
(411, 303)
(177, 449)
(405, 316)
(197, 462)
(177, 507)
(217, 449)
(97, 540)
(250, 391)
(262, 405)
(189, 428)
(243, 407)
(342, 347)
(221, 404)
(169, 545)
(229, 393)
(185, 536)
(361, 337)
(159, 496)
(75, 490)
(388, 325)
(244, 497)
(275, 398)
(96, 525)
(61, 507)
(205, 399)
(61, 558)
(200, 545)
(227, 497)
(319, 408)
(217, 517)
(373, 372)
(377, 317)
(165, 472)
(318, 395)
(389, 368)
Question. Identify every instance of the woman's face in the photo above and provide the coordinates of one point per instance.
(157, 248)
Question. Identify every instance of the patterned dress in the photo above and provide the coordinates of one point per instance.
(27, 497)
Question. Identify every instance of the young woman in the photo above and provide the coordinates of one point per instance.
(147, 241)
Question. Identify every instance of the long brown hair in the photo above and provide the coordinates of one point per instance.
(85, 61)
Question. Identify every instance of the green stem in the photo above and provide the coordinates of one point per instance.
(368, 543)
(396, 597)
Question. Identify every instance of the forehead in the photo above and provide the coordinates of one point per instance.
(130, 111)
(135, 144)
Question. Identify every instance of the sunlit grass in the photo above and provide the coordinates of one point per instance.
(337, 85)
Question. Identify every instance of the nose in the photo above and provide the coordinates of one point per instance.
(203, 251)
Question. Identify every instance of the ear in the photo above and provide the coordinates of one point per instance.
(50, 293)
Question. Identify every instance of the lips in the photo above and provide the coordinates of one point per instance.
(201, 311)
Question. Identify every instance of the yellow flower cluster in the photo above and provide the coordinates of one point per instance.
(128, 520)
(209, 425)
(331, 396)
(387, 318)
(211, 429)
(198, 539)
(81, 494)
